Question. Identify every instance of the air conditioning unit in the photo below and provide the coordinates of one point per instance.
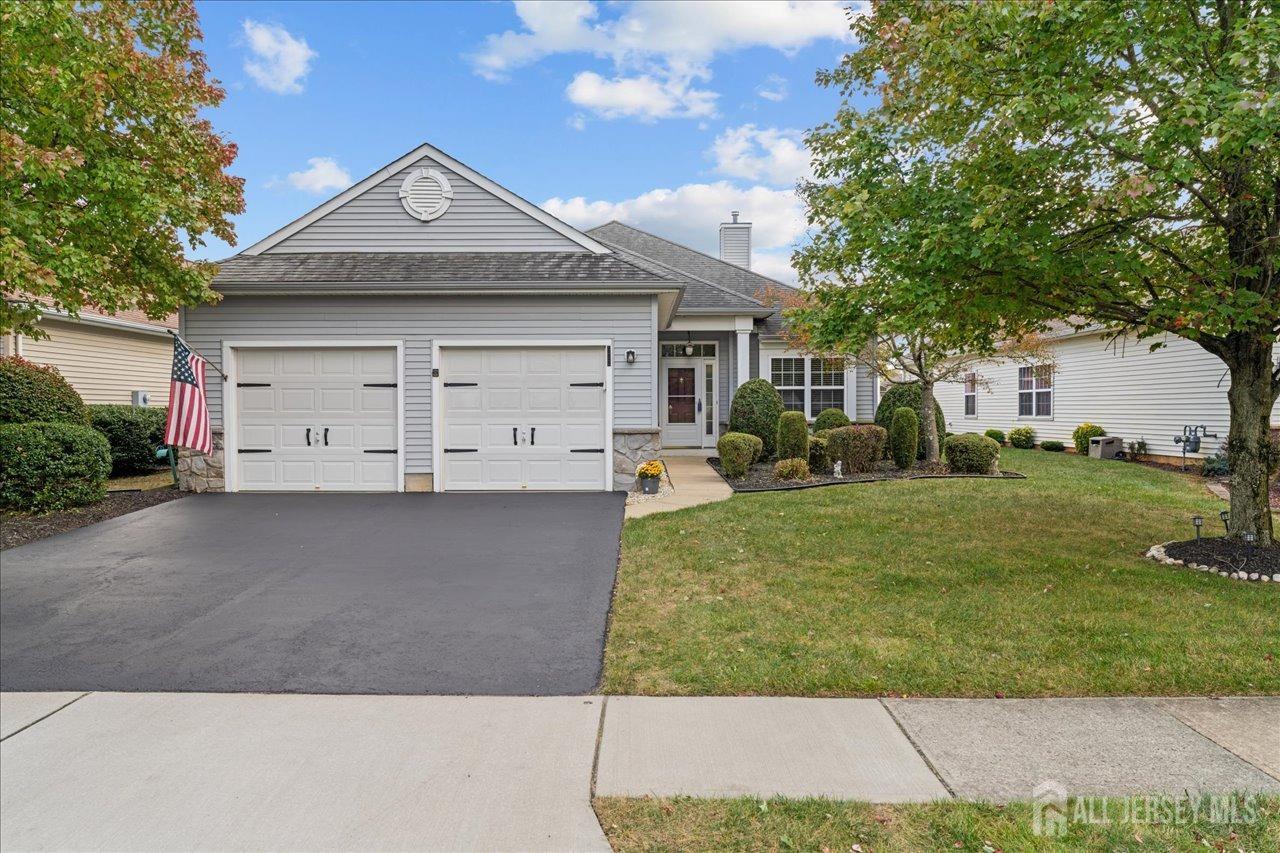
(1105, 447)
(141, 398)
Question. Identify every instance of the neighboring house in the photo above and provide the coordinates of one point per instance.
(428, 329)
(1117, 383)
(106, 358)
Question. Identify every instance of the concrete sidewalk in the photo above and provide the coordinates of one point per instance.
(693, 482)
(236, 771)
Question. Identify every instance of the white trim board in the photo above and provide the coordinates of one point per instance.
(428, 150)
(230, 469)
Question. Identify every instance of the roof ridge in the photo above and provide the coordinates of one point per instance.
(687, 274)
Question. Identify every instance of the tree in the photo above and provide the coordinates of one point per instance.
(1111, 164)
(106, 166)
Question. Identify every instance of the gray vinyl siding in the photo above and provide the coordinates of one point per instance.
(735, 244)
(866, 401)
(417, 320)
(476, 221)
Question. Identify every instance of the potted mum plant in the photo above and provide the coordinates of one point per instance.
(650, 474)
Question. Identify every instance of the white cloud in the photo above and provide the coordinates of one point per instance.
(279, 61)
(664, 45)
(323, 174)
(691, 214)
(768, 154)
(643, 97)
(774, 88)
(577, 121)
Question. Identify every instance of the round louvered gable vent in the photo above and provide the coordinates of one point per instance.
(426, 194)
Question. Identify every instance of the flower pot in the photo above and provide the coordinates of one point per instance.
(649, 485)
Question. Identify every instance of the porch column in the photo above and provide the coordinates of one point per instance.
(744, 356)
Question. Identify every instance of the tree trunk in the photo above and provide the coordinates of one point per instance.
(928, 422)
(1249, 448)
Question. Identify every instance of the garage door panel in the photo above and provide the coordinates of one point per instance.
(503, 399)
(299, 362)
(503, 473)
(584, 400)
(297, 400)
(299, 473)
(545, 400)
(337, 473)
(378, 364)
(463, 435)
(378, 400)
(257, 400)
(337, 400)
(464, 400)
(257, 473)
(500, 362)
(257, 435)
(375, 437)
(338, 363)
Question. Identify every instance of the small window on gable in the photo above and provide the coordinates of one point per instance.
(971, 395)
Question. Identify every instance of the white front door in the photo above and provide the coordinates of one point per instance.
(688, 402)
(316, 419)
(524, 418)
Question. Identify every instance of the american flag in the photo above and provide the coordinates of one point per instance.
(188, 422)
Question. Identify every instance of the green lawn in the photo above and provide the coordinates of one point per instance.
(749, 824)
(1033, 587)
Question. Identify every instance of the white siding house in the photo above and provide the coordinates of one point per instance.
(1119, 384)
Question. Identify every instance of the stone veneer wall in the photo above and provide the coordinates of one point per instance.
(631, 446)
(200, 473)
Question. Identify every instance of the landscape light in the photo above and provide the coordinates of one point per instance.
(1198, 521)
(1225, 515)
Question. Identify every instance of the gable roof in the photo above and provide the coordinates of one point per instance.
(392, 168)
(700, 296)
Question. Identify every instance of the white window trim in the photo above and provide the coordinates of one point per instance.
(966, 394)
(1018, 392)
(850, 380)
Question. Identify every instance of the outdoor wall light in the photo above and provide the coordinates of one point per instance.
(688, 347)
(631, 356)
(1198, 521)
(1225, 515)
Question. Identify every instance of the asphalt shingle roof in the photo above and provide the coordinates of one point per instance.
(699, 295)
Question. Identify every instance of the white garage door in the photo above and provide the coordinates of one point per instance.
(316, 420)
(523, 418)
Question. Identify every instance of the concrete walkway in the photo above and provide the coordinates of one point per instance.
(237, 771)
(693, 482)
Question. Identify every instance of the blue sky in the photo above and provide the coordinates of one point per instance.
(665, 115)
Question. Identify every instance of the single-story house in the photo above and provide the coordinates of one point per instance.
(1118, 383)
(429, 329)
(107, 358)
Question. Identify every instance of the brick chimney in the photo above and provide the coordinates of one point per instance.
(735, 242)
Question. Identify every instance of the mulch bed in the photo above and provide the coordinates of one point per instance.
(1225, 555)
(19, 528)
(760, 477)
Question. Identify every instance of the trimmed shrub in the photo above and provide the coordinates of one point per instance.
(1053, 446)
(1023, 437)
(830, 419)
(791, 469)
(970, 453)
(37, 392)
(819, 461)
(904, 437)
(908, 394)
(995, 435)
(737, 452)
(757, 447)
(134, 433)
(1080, 436)
(793, 436)
(755, 410)
(857, 447)
(46, 466)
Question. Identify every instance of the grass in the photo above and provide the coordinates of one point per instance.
(156, 480)
(1033, 587)
(811, 824)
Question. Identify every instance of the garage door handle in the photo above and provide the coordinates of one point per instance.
(588, 450)
(396, 451)
(513, 436)
(308, 436)
(326, 436)
(533, 431)
(251, 450)
(586, 384)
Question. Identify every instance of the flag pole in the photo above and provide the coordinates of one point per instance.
(193, 349)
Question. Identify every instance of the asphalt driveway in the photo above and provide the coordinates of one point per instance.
(398, 593)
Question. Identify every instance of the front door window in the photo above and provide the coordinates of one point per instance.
(681, 395)
(709, 394)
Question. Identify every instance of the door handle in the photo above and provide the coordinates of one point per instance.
(699, 407)
(326, 436)
(308, 436)
(533, 431)
(513, 436)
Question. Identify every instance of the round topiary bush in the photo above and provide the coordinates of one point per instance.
(995, 435)
(857, 447)
(755, 410)
(37, 392)
(134, 433)
(819, 461)
(830, 419)
(904, 437)
(757, 447)
(46, 466)
(793, 436)
(1080, 436)
(1053, 446)
(970, 453)
(737, 452)
(1023, 437)
(791, 469)
(907, 394)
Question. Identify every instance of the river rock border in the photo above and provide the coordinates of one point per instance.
(1156, 552)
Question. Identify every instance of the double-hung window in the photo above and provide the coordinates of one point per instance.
(826, 381)
(808, 385)
(971, 395)
(1035, 391)
(787, 375)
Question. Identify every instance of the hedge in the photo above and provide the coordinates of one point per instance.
(755, 410)
(995, 435)
(793, 436)
(134, 433)
(1080, 436)
(857, 447)
(970, 453)
(1053, 446)
(737, 452)
(791, 469)
(1023, 437)
(907, 394)
(830, 419)
(819, 461)
(48, 466)
(904, 437)
(37, 392)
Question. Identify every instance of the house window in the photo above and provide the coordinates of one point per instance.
(971, 395)
(1035, 391)
(678, 351)
(826, 376)
(787, 375)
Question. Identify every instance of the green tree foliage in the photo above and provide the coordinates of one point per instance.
(37, 392)
(134, 433)
(908, 394)
(904, 436)
(107, 166)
